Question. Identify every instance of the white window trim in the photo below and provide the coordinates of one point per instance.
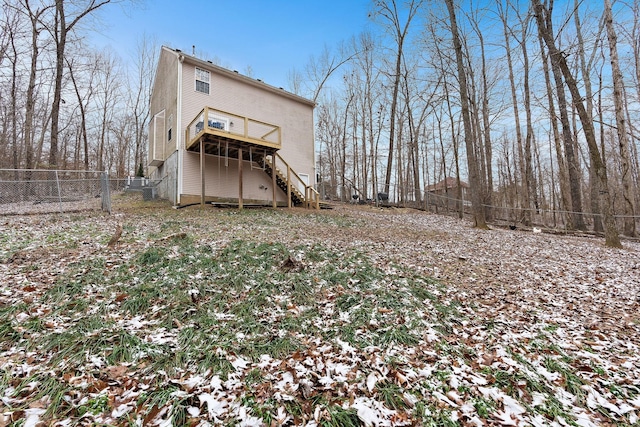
(202, 73)
(159, 135)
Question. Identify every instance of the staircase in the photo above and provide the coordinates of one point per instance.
(287, 179)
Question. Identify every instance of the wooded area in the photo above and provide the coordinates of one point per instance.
(534, 104)
(65, 105)
(539, 98)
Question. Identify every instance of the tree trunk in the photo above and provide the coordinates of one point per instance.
(474, 179)
(61, 40)
(524, 193)
(392, 124)
(623, 138)
(30, 101)
(83, 117)
(14, 110)
(543, 19)
(594, 184)
(391, 14)
(575, 177)
(487, 135)
(594, 181)
(563, 173)
(530, 180)
(60, 32)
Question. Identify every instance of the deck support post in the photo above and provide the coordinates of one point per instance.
(288, 186)
(240, 178)
(274, 182)
(202, 190)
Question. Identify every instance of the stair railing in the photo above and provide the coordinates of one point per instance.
(307, 192)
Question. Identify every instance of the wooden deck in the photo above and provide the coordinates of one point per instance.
(224, 133)
(233, 136)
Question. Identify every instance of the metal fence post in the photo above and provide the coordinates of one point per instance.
(106, 195)
(59, 192)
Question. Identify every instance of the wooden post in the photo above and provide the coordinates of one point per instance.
(288, 185)
(274, 182)
(202, 193)
(240, 178)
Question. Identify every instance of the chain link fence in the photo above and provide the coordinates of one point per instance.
(29, 191)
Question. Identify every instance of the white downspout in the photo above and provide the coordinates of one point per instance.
(179, 133)
(313, 138)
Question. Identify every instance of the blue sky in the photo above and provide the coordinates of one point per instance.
(270, 36)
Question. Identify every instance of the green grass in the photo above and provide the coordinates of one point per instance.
(8, 334)
(96, 405)
(240, 281)
(44, 386)
(187, 303)
(391, 395)
(572, 382)
(163, 395)
(437, 417)
(484, 407)
(340, 417)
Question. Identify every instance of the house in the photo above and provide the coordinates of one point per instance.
(216, 136)
(445, 192)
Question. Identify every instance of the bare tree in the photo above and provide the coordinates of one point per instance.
(64, 22)
(107, 98)
(294, 81)
(145, 59)
(485, 130)
(585, 68)
(575, 177)
(558, 60)
(621, 125)
(34, 16)
(472, 164)
(389, 11)
(365, 78)
(530, 180)
(563, 174)
(84, 97)
(320, 70)
(14, 52)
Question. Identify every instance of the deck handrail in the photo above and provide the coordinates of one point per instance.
(311, 195)
(262, 130)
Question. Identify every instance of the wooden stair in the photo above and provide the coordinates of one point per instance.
(286, 179)
(297, 198)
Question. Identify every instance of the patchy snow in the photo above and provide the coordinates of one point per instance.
(506, 327)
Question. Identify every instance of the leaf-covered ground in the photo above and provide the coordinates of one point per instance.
(356, 316)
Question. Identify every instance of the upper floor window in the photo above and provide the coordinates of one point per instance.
(202, 80)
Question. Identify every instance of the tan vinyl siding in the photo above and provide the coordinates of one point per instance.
(164, 97)
(222, 181)
(236, 96)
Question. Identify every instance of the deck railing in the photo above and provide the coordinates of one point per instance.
(243, 128)
(310, 194)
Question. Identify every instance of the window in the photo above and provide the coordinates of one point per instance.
(202, 80)
(169, 135)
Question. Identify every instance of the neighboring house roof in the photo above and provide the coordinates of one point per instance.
(447, 183)
(237, 76)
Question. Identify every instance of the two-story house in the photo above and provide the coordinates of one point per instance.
(216, 136)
